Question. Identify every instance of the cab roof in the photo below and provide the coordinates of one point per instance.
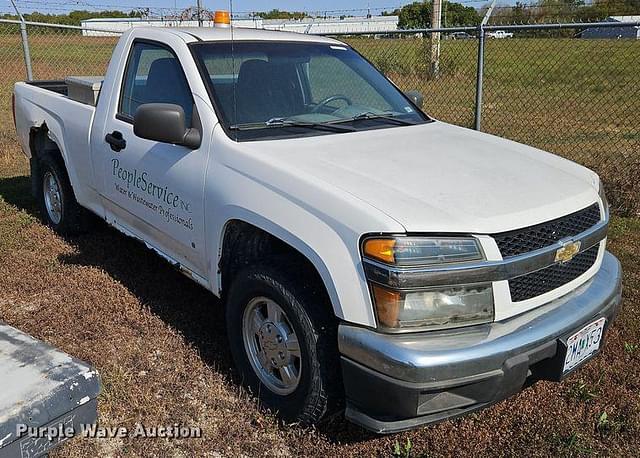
(191, 34)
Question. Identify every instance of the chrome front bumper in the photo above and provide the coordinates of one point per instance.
(413, 379)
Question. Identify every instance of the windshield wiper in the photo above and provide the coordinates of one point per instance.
(284, 122)
(370, 115)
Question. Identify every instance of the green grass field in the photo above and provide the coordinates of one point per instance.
(577, 98)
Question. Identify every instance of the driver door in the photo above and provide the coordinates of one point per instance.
(153, 190)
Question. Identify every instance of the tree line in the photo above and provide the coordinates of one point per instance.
(74, 17)
(565, 11)
(417, 15)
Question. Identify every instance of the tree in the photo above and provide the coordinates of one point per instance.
(520, 13)
(564, 11)
(417, 15)
(277, 14)
(456, 14)
(74, 17)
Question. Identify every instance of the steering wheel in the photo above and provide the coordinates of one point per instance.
(324, 102)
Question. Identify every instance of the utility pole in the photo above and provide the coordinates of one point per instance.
(436, 17)
(199, 13)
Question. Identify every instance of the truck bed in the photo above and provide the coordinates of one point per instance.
(84, 89)
(41, 387)
(58, 86)
(68, 122)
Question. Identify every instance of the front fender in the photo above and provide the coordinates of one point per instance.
(235, 213)
(320, 221)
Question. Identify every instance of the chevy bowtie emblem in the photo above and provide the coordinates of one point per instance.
(568, 251)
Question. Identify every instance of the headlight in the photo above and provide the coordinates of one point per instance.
(428, 308)
(422, 251)
(603, 196)
(440, 308)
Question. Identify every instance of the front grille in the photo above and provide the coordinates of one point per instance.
(552, 277)
(532, 238)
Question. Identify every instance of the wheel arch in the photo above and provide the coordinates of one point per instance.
(41, 143)
(243, 241)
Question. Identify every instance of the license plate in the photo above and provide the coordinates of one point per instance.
(583, 344)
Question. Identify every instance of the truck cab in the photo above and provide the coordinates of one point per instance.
(353, 239)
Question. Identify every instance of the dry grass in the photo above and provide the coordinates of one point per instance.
(159, 344)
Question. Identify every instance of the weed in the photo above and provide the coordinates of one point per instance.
(607, 425)
(402, 451)
(574, 443)
(582, 392)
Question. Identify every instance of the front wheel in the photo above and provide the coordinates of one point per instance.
(284, 344)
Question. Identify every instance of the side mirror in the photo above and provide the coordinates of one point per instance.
(416, 97)
(165, 122)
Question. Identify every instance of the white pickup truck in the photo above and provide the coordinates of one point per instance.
(368, 257)
(500, 34)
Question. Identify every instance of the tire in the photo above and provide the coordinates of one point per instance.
(58, 206)
(318, 389)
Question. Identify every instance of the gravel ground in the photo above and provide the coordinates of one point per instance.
(158, 341)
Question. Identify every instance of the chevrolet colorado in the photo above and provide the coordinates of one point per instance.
(368, 256)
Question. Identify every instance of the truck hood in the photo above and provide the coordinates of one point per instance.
(437, 177)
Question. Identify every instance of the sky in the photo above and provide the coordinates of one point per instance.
(355, 7)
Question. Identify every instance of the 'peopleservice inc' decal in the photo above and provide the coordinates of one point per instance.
(137, 186)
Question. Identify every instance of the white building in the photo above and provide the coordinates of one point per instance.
(107, 26)
(334, 25)
(374, 24)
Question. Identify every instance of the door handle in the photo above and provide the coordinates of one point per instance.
(115, 139)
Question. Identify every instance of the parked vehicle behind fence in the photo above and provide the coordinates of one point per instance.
(500, 34)
(460, 36)
(368, 257)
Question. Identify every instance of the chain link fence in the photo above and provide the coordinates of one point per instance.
(545, 86)
(579, 98)
(55, 52)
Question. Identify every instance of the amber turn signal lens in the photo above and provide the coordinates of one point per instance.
(380, 249)
(387, 306)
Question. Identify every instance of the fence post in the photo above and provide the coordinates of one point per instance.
(25, 42)
(480, 74)
(25, 48)
(479, 78)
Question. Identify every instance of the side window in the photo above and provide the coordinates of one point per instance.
(154, 75)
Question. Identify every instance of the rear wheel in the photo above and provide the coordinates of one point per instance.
(283, 342)
(58, 206)
(52, 195)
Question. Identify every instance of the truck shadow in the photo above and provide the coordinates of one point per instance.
(17, 191)
(177, 300)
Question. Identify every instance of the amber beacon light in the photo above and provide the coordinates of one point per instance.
(221, 19)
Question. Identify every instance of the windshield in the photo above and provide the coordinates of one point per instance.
(272, 89)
